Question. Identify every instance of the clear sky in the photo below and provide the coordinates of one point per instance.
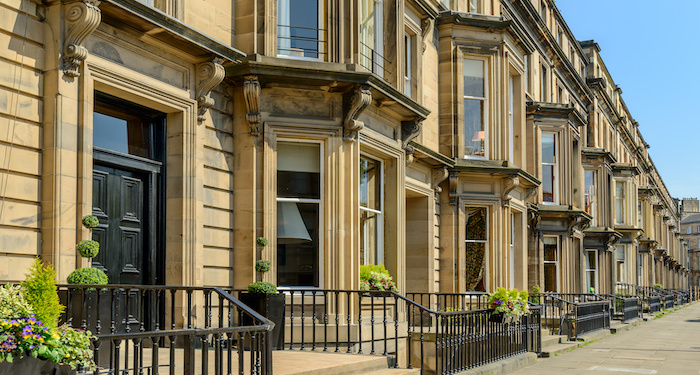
(651, 52)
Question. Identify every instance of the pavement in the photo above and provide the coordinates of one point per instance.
(669, 344)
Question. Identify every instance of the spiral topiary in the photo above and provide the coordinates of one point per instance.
(90, 221)
(262, 266)
(88, 275)
(88, 248)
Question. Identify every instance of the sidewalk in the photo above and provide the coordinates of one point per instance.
(667, 345)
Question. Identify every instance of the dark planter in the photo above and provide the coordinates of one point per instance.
(270, 306)
(496, 317)
(34, 366)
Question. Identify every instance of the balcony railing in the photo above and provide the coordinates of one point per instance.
(373, 61)
(164, 329)
(302, 42)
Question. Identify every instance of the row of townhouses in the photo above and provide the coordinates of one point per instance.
(464, 144)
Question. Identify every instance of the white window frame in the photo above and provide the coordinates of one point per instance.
(378, 36)
(621, 210)
(319, 200)
(485, 101)
(473, 6)
(511, 117)
(319, 36)
(512, 251)
(484, 241)
(408, 56)
(621, 276)
(555, 262)
(555, 170)
(544, 83)
(381, 211)
(594, 270)
(640, 263)
(594, 194)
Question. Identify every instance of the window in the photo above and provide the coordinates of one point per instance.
(371, 36)
(511, 117)
(476, 246)
(512, 250)
(543, 12)
(560, 37)
(543, 84)
(526, 63)
(590, 194)
(550, 168)
(620, 202)
(475, 108)
(591, 271)
(551, 263)
(560, 94)
(473, 6)
(371, 211)
(639, 214)
(571, 55)
(698, 229)
(299, 207)
(299, 30)
(620, 262)
(409, 64)
(640, 263)
(689, 230)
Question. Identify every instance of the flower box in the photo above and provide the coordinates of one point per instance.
(29, 365)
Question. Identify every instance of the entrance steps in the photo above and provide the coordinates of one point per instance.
(293, 362)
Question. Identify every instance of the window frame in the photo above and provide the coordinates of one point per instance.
(381, 212)
(594, 270)
(591, 207)
(621, 210)
(544, 83)
(555, 262)
(319, 201)
(320, 5)
(485, 102)
(620, 263)
(555, 169)
(378, 15)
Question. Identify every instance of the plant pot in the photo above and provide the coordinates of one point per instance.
(29, 365)
(270, 306)
(497, 317)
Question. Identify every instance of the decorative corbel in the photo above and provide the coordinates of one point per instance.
(511, 182)
(82, 18)
(426, 25)
(409, 131)
(251, 92)
(572, 223)
(610, 241)
(356, 102)
(454, 183)
(209, 75)
(439, 175)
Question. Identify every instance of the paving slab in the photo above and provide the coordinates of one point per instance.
(663, 345)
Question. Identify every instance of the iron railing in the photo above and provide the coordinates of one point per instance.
(573, 314)
(589, 317)
(373, 61)
(164, 329)
(297, 41)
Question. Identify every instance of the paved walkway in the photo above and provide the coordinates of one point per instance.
(667, 345)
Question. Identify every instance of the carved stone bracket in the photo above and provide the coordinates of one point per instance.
(439, 175)
(209, 75)
(426, 25)
(251, 92)
(572, 224)
(82, 18)
(356, 102)
(409, 131)
(454, 183)
(512, 182)
(611, 240)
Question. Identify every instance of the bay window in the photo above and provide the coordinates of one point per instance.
(371, 211)
(590, 193)
(475, 108)
(620, 194)
(299, 28)
(550, 168)
(299, 208)
(371, 36)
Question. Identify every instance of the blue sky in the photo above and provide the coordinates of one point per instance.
(651, 52)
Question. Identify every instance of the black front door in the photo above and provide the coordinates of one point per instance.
(118, 201)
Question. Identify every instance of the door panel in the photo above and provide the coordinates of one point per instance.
(118, 201)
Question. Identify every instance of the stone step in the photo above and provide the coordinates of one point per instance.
(340, 364)
(394, 371)
(558, 348)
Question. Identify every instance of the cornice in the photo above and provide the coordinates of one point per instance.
(556, 110)
(472, 19)
(495, 167)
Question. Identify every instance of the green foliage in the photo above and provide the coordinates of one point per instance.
(658, 286)
(511, 302)
(90, 221)
(13, 304)
(261, 241)
(262, 287)
(376, 277)
(88, 248)
(87, 275)
(76, 345)
(535, 290)
(262, 266)
(39, 289)
(475, 252)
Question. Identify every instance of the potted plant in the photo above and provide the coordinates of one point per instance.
(263, 297)
(376, 277)
(31, 342)
(507, 306)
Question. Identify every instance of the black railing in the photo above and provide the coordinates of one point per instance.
(300, 41)
(373, 61)
(572, 314)
(450, 301)
(625, 307)
(653, 303)
(164, 329)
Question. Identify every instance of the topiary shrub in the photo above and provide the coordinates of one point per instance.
(262, 266)
(39, 288)
(88, 248)
(90, 221)
(261, 241)
(536, 292)
(88, 275)
(262, 287)
(658, 286)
